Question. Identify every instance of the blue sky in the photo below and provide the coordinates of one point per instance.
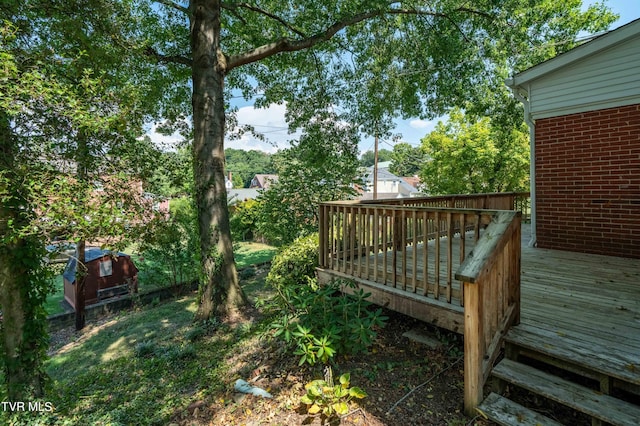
(271, 121)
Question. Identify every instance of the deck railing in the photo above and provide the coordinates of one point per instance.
(400, 247)
(491, 276)
(519, 201)
(462, 255)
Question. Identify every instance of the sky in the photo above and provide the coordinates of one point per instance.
(270, 121)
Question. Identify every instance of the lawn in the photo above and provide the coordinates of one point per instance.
(154, 366)
(250, 253)
(144, 366)
(246, 254)
(53, 304)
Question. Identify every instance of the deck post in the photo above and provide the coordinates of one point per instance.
(473, 348)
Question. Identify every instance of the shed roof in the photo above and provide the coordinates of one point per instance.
(90, 255)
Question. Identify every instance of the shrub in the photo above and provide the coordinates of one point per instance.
(243, 219)
(295, 264)
(318, 321)
(171, 252)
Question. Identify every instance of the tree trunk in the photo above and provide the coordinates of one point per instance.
(83, 159)
(221, 293)
(22, 328)
(79, 289)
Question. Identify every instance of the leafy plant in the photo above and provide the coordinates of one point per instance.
(171, 253)
(324, 397)
(243, 219)
(318, 321)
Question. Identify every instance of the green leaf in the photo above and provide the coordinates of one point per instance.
(314, 409)
(341, 408)
(356, 392)
(345, 379)
(316, 388)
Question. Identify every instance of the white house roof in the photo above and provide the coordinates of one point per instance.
(384, 175)
(598, 44)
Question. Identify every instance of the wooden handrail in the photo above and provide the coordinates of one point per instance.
(491, 276)
(519, 201)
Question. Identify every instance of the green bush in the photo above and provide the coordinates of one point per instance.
(295, 264)
(319, 322)
(243, 220)
(171, 251)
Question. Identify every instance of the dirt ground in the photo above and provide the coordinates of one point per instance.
(407, 383)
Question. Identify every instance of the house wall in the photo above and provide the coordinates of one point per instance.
(588, 181)
(605, 80)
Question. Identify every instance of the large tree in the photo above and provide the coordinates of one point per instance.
(377, 58)
(470, 155)
(371, 60)
(406, 160)
(322, 166)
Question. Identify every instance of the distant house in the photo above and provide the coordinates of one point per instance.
(412, 180)
(228, 183)
(263, 181)
(389, 185)
(583, 110)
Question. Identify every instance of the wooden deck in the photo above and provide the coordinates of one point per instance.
(573, 305)
(469, 269)
(582, 309)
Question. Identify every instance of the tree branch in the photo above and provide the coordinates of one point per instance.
(234, 6)
(288, 45)
(168, 59)
(175, 6)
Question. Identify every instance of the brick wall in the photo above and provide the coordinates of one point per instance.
(588, 182)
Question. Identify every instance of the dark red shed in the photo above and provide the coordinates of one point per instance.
(108, 274)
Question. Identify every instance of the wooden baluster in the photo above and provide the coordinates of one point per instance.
(376, 242)
(425, 253)
(449, 255)
(352, 239)
(367, 239)
(414, 258)
(395, 237)
(344, 239)
(384, 246)
(436, 265)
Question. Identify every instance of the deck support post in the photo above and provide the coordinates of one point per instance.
(473, 348)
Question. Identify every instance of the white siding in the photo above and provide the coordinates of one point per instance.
(608, 79)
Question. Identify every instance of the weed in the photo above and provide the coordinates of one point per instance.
(323, 397)
(145, 349)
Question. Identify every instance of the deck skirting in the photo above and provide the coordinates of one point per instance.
(424, 308)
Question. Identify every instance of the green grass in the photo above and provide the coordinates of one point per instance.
(53, 304)
(250, 253)
(246, 254)
(145, 366)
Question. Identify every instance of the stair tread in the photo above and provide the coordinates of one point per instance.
(578, 351)
(507, 413)
(580, 398)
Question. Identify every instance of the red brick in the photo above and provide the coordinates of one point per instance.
(587, 168)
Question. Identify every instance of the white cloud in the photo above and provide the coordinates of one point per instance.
(420, 124)
(270, 122)
(162, 141)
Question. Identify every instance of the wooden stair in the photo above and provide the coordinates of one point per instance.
(599, 406)
(508, 413)
(605, 364)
